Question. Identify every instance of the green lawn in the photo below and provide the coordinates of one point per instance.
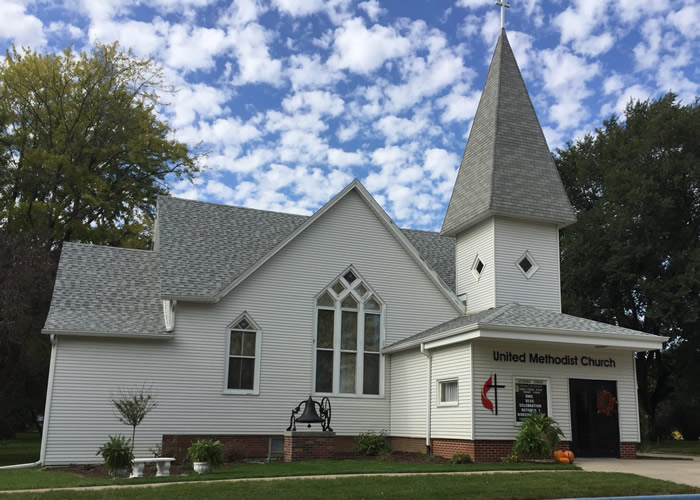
(23, 450)
(673, 446)
(487, 486)
(55, 478)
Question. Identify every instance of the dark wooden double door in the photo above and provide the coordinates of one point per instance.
(593, 433)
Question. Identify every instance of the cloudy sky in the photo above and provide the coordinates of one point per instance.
(293, 99)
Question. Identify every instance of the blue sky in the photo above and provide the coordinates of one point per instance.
(294, 98)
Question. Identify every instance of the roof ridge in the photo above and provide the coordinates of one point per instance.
(95, 245)
(231, 206)
(498, 311)
(499, 75)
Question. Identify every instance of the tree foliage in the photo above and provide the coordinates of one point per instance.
(84, 153)
(83, 157)
(133, 405)
(633, 257)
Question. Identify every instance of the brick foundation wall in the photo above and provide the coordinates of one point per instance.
(628, 451)
(236, 446)
(411, 445)
(482, 451)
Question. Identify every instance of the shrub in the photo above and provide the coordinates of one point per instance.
(207, 450)
(371, 443)
(539, 436)
(461, 458)
(133, 405)
(513, 458)
(117, 454)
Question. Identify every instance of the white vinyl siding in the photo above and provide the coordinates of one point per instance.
(408, 393)
(503, 426)
(512, 239)
(452, 421)
(477, 240)
(186, 371)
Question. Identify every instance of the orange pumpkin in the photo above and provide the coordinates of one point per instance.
(570, 455)
(563, 460)
(558, 454)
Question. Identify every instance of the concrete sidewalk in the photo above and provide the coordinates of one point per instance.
(678, 471)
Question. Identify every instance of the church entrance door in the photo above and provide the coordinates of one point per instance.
(595, 426)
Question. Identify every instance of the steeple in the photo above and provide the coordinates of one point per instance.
(507, 168)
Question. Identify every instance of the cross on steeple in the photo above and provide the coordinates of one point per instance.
(504, 5)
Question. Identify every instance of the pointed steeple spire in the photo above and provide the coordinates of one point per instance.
(507, 168)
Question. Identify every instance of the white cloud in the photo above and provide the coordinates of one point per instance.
(347, 132)
(25, 30)
(193, 48)
(397, 129)
(372, 9)
(253, 160)
(298, 8)
(633, 11)
(595, 45)
(686, 20)
(316, 102)
(473, 4)
(646, 53)
(340, 158)
(145, 39)
(363, 50)
(307, 71)
(634, 92)
(578, 21)
(459, 104)
(253, 57)
(68, 30)
(441, 164)
(613, 84)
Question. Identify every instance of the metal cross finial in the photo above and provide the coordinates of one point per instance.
(504, 5)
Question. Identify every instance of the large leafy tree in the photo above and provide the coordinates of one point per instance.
(633, 257)
(83, 157)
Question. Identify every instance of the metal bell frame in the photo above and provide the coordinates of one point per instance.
(311, 415)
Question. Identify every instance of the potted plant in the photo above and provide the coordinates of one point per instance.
(206, 454)
(117, 455)
(538, 437)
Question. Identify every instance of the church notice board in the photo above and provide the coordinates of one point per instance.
(530, 395)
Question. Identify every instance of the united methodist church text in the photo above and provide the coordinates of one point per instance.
(548, 359)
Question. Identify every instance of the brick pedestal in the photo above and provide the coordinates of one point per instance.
(300, 445)
(628, 451)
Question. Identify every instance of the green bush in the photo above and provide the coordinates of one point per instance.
(513, 458)
(539, 436)
(117, 454)
(461, 458)
(371, 444)
(207, 450)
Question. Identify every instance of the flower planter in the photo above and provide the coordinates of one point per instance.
(201, 467)
(119, 473)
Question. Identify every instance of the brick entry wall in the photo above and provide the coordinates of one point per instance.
(628, 451)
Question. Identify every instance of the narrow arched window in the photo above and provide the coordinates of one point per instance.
(349, 335)
(243, 356)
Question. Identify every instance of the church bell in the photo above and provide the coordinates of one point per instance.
(310, 416)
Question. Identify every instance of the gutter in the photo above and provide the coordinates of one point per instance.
(428, 403)
(21, 466)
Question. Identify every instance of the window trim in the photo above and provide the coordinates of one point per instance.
(258, 355)
(438, 392)
(475, 264)
(535, 266)
(360, 351)
(548, 383)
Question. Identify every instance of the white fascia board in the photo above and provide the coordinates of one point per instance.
(641, 342)
(190, 298)
(379, 212)
(494, 213)
(409, 248)
(87, 333)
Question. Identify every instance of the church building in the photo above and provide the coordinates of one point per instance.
(446, 341)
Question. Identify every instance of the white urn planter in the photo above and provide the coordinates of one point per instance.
(120, 473)
(201, 467)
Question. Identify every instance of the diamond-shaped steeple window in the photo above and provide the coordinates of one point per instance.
(478, 268)
(527, 265)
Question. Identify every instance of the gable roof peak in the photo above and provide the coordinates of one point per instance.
(507, 167)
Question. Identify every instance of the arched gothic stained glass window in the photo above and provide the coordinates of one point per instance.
(349, 334)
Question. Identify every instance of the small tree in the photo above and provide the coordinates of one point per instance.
(133, 405)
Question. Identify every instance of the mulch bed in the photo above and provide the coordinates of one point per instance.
(99, 471)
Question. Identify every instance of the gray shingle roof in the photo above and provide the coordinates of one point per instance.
(507, 167)
(204, 246)
(106, 289)
(513, 316)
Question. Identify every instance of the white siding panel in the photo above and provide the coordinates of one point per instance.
(452, 363)
(477, 240)
(513, 238)
(408, 393)
(187, 371)
(502, 426)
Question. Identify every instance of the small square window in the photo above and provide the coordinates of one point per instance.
(338, 287)
(527, 265)
(361, 290)
(478, 267)
(449, 393)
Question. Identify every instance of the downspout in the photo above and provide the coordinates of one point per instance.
(428, 402)
(49, 396)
